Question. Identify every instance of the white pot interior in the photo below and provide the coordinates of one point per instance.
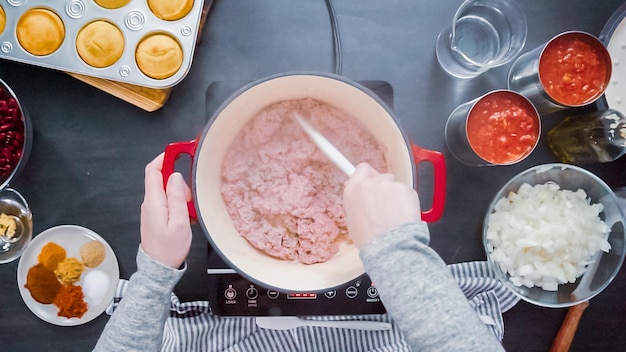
(252, 263)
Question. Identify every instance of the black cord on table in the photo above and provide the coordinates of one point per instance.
(336, 39)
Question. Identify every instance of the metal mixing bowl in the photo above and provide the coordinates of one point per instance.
(15, 142)
(15, 135)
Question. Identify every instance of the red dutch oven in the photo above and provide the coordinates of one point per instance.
(208, 150)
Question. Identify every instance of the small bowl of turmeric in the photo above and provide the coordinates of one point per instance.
(16, 225)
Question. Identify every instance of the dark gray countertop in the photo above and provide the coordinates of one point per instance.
(90, 148)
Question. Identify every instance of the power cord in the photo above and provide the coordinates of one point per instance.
(334, 26)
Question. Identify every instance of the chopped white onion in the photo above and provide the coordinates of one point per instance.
(545, 236)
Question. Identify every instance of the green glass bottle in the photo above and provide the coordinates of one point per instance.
(597, 137)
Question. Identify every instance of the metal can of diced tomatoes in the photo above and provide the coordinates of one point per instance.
(572, 69)
(501, 127)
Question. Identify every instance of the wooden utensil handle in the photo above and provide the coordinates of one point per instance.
(566, 333)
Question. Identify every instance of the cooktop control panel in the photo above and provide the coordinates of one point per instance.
(230, 294)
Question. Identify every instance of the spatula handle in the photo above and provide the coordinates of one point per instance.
(566, 333)
(351, 324)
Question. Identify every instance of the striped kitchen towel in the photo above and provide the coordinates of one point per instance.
(192, 327)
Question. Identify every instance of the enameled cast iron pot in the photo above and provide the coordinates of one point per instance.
(208, 150)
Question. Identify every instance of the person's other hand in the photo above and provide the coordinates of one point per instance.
(165, 226)
(375, 203)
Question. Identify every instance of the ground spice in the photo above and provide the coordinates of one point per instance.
(69, 270)
(7, 226)
(70, 302)
(51, 255)
(42, 284)
(92, 253)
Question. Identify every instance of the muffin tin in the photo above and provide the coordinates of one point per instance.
(135, 20)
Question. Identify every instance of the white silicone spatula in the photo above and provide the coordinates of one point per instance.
(326, 147)
(288, 322)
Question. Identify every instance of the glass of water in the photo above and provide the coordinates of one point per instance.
(483, 34)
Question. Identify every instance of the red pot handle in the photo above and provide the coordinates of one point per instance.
(174, 150)
(172, 153)
(439, 191)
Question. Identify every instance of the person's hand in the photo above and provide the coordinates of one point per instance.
(375, 203)
(165, 226)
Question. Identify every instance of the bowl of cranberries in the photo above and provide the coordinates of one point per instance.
(15, 135)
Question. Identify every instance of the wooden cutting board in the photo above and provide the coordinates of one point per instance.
(149, 99)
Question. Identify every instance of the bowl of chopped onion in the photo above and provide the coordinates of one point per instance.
(554, 234)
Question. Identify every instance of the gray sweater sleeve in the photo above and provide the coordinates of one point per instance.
(138, 321)
(421, 295)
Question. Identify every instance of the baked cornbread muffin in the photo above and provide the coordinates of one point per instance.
(100, 44)
(3, 19)
(40, 31)
(112, 4)
(170, 10)
(159, 56)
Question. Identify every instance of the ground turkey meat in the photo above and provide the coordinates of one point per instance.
(283, 194)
